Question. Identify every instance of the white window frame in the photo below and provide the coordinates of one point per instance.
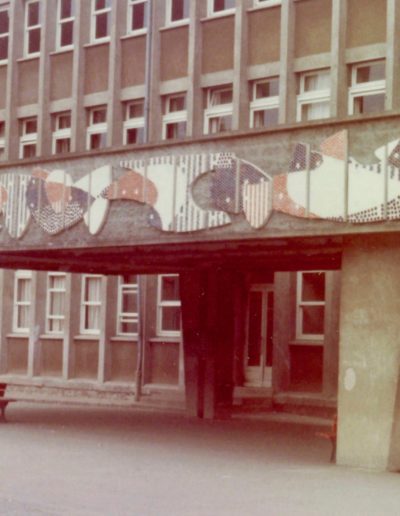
(306, 98)
(364, 89)
(131, 5)
(87, 304)
(137, 122)
(212, 13)
(173, 117)
(300, 335)
(60, 133)
(127, 317)
(58, 290)
(21, 274)
(5, 35)
(218, 110)
(165, 304)
(28, 29)
(95, 128)
(94, 13)
(60, 23)
(169, 22)
(267, 3)
(27, 138)
(263, 103)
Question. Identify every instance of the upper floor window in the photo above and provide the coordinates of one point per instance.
(134, 122)
(169, 305)
(175, 116)
(220, 6)
(218, 113)
(97, 128)
(101, 14)
(61, 133)
(28, 137)
(55, 306)
(65, 23)
(264, 106)
(4, 32)
(137, 15)
(33, 22)
(128, 305)
(177, 11)
(310, 305)
(266, 3)
(22, 300)
(91, 303)
(314, 95)
(368, 86)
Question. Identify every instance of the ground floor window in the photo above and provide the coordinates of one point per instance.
(310, 305)
(91, 304)
(55, 309)
(128, 305)
(22, 301)
(169, 305)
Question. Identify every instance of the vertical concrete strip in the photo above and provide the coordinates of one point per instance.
(107, 326)
(331, 331)
(369, 352)
(154, 99)
(6, 306)
(338, 106)
(71, 322)
(37, 321)
(287, 91)
(392, 55)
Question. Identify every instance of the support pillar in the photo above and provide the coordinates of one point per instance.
(369, 354)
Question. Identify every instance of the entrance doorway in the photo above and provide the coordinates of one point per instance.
(259, 336)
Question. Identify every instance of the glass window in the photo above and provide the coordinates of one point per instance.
(220, 6)
(97, 128)
(169, 305)
(134, 122)
(65, 25)
(177, 11)
(22, 300)
(218, 113)
(101, 17)
(310, 305)
(91, 303)
(55, 307)
(264, 106)
(313, 100)
(28, 138)
(175, 116)
(4, 33)
(368, 88)
(128, 305)
(61, 133)
(32, 27)
(137, 15)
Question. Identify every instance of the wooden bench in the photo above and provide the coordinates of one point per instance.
(332, 436)
(4, 401)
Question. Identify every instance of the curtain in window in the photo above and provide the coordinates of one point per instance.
(92, 298)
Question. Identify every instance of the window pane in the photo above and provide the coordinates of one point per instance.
(67, 9)
(129, 327)
(135, 110)
(23, 317)
(313, 320)
(371, 72)
(102, 25)
(315, 111)
(92, 318)
(67, 33)
(92, 289)
(177, 103)
(33, 14)
(313, 286)
(268, 88)
(30, 126)
(102, 4)
(29, 150)
(4, 47)
(34, 41)
(4, 22)
(170, 288)
(171, 318)
(179, 10)
(220, 124)
(99, 116)
(129, 302)
(24, 289)
(266, 118)
(369, 103)
(175, 130)
(64, 121)
(221, 97)
(139, 15)
(135, 135)
(221, 5)
(63, 145)
(317, 81)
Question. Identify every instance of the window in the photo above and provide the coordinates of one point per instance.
(266, 3)
(218, 113)
(177, 11)
(220, 6)
(55, 306)
(97, 128)
(264, 106)
(128, 305)
(61, 133)
(2, 140)
(4, 33)
(310, 305)
(137, 16)
(169, 305)
(175, 115)
(65, 23)
(28, 138)
(32, 27)
(101, 14)
(367, 90)
(134, 122)
(314, 96)
(91, 303)
(22, 301)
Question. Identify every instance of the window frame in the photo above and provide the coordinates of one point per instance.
(166, 304)
(130, 317)
(142, 30)
(5, 34)
(134, 122)
(300, 335)
(60, 134)
(173, 117)
(168, 18)
(218, 110)
(364, 89)
(93, 22)
(308, 98)
(94, 128)
(49, 291)
(60, 23)
(21, 274)
(28, 29)
(26, 138)
(224, 12)
(263, 103)
(86, 304)
(267, 3)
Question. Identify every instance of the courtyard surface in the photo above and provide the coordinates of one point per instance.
(85, 460)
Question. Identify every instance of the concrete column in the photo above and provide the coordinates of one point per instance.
(37, 321)
(154, 100)
(6, 314)
(72, 316)
(240, 118)
(46, 46)
(331, 331)
(368, 403)
(114, 108)
(107, 325)
(78, 115)
(339, 85)
(15, 46)
(194, 99)
(393, 55)
(287, 93)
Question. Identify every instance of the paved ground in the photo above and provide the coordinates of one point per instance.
(81, 461)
